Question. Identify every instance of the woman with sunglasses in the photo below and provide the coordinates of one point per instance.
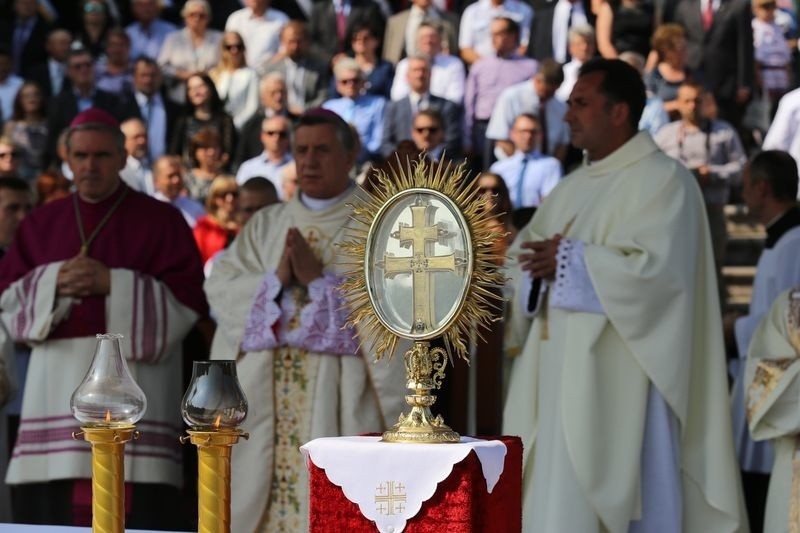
(203, 109)
(194, 48)
(217, 229)
(236, 83)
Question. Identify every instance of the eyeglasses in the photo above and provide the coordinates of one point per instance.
(9, 155)
(234, 46)
(350, 81)
(94, 8)
(196, 14)
(531, 131)
(279, 133)
(427, 129)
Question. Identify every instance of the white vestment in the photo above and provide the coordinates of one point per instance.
(294, 394)
(773, 406)
(778, 269)
(598, 395)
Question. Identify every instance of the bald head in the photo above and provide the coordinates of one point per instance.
(135, 138)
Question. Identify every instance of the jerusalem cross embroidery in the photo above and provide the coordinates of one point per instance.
(390, 497)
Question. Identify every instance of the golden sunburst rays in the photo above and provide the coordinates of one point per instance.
(483, 299)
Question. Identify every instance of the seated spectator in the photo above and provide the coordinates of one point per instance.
(537, 97)
(447, 71)
(488, 78)
(364, 111)
(9, 83)
(581, 49)
(401, 38)
(476, 34)
(96, 21)
(28, 129)
(378, 73)
(204, 109)
(113, 71)
(157, 112)
(52, 75)
(207, 161)
(624, 26)
(529, 174)
(276, 155)
(772, 54)
(654, 116)
(194, 48)
(256, 193)
(148, 31)
(306, 77)
(669, 44)
(168, 180)
(236, 83)
(137, 173)
(400, 114)
(260, 27)
(217, 229)
(10, 158)
(427, 133)
(273, 99)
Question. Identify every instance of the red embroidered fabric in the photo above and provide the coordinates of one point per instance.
(461, 503)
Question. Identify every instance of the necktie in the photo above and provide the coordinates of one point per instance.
(521, 181)
(543, 126)
(708, 15)
(341, 23)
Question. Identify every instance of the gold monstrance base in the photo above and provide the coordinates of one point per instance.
(108, 475)
(214, 477)
(424, 372)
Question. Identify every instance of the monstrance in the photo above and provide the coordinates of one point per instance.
(422, 266)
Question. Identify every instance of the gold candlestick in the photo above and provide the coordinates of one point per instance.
(108, 475)
(214, 477)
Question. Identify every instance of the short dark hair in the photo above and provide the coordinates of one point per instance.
(512, 26)
(432, 114)
(318, 116)
(779, 170)
(621, 83)
(146, 60)
(259, 184)
(14, 183)
(551, 71)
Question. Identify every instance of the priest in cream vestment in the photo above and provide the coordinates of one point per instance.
(274, 296)
(773, 406)
(618, 387)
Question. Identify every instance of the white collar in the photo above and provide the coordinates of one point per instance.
(321, 204)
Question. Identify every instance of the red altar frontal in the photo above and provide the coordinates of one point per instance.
(461, 502)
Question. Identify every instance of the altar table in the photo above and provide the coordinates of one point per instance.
(461, 503)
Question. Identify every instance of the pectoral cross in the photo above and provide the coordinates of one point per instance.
(391, 498)
(422, 234)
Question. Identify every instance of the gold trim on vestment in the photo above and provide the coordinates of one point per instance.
(768, 374)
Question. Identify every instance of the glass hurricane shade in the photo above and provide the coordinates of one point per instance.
(214, 399)
(108, 395)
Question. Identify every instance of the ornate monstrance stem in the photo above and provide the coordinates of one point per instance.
(424, 372)
(108, 476)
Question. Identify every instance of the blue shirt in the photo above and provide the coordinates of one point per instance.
(365, 113)
(539, 175)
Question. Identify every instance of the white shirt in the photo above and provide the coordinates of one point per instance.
(138, 176)
(261, 34)
(529, 177)
(570, 71)
(784, 133)
(447, 79)
(148, 42)
(190, 208)
(155, 119)
(262, 166)
(562, 13)
(522, 98)
(57, 71)
(8, 91)
(239, 90)
(474, 31)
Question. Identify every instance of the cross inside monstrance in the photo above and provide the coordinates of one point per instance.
(421, 236)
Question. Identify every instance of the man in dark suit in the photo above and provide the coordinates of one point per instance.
(52, 74)
(81, 94)
(401, 30)
(149, 104)
(400, 114)
(719, 38)
(330, 22)
(306, 76)
(24, 33)
(551, 23)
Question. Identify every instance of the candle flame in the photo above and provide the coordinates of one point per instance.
(108, 415)
(216, 422)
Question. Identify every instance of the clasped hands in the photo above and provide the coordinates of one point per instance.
(541, 261)
(83, 276)
(298, 262)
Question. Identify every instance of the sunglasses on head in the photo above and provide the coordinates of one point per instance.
(94, 8)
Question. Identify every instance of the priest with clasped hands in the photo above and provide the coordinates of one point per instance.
(618, 386)
(274, 294)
